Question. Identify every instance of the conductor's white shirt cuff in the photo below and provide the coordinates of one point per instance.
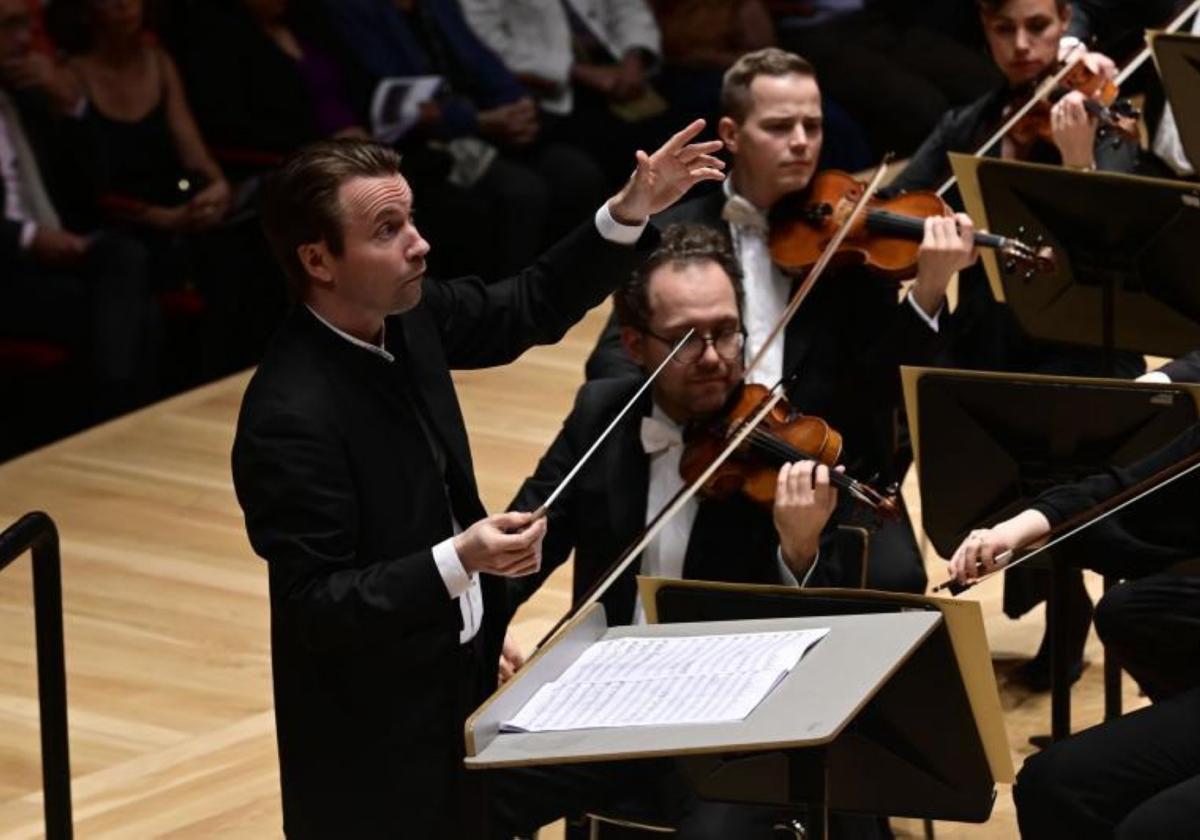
(451, 568)
(614, 231)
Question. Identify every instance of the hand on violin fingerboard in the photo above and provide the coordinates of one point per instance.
(948, 247)
(804, 501)
(1074, 131)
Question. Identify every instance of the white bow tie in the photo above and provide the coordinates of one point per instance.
(657, 436)
(738, 211)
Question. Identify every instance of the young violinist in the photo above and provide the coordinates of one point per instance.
(1138, 775)
(841, 353)
(1024, 38)
(690, 281)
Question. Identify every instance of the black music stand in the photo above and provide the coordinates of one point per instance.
(1125, 276)
(986, 444)
(930, 743)
(1178, 58)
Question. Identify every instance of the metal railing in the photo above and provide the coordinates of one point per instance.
(36, 532)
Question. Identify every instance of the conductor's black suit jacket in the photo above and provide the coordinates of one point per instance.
(344, 498)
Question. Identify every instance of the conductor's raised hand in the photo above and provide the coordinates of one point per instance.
(504, 544)
(662, 178)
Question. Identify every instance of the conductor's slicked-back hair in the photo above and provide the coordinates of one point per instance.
(300, 202)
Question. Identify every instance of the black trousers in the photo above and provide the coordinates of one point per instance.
(1152, 626)
(523, 800)
(1134, 777)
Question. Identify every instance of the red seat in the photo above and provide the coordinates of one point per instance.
(21, 355)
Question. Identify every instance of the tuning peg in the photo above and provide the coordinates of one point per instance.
(1039, 240)
(1021, 230)
(1028, 275)
(1009, 265)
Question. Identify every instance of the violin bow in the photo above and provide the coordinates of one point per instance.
(665, 515)
(544, 508)
(1084, 519)
(1140, 59)
(815, 272)
(774, 395)
(1044, 90)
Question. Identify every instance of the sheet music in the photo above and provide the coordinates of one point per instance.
(643, 681)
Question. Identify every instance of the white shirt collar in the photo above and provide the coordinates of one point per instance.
(377, 349)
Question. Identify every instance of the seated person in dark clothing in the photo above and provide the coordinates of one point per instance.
(535, 189)
(690, 281)
(282, 78)
(156, 179)
(1131, 778)
(1137, 776)
(1025, 40)
(90, 293)
(155, 171)
(274, 84)
(895, 75)
(1148, 543)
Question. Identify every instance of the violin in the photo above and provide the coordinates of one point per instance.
(885, 239)
(783, 437)
(1116, 116)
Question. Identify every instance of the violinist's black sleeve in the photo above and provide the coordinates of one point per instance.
(1184, 369)
(1151, 533)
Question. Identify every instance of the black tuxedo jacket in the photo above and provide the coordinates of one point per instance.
(844, 349)
(603, 511)
(344, 498)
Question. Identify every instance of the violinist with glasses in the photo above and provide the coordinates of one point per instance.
(691, 281)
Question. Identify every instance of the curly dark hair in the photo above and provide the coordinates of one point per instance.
(681, 245)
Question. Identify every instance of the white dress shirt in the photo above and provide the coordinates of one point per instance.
(460, 585)
(14, 205)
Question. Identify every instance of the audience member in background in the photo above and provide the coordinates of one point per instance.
(535, 188)
(895, 78)
(590, 63)
(89, 293)
(284, 77)
(702, 38)
(155, 172)
(156, 178)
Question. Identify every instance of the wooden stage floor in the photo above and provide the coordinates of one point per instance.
(166, 613)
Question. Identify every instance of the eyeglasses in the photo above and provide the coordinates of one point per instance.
(727, 343)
